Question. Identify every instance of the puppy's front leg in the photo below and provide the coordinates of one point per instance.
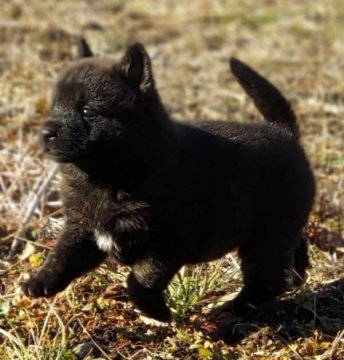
(75, 253)
(146, 282)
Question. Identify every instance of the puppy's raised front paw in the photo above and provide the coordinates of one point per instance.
(39, 286)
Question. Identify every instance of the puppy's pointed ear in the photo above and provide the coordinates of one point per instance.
(136, 67)
(84, 49)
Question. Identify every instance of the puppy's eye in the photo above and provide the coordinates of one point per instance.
(88, 113)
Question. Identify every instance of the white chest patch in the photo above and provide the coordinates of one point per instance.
(105, 241)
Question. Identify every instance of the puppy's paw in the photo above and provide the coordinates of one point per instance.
(41, 286)
(159, 312)
(151, 302)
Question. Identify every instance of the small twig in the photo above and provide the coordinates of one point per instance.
(17, 232)
(2, 272)
(31, 207)
(234, 261)
(337, 340)
(93, 341)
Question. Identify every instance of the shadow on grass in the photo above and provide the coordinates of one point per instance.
(322, 310)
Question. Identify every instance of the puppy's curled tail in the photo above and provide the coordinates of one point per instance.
(268, 99)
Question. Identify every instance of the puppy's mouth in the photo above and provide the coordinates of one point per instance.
(64, 154)
(60, 156)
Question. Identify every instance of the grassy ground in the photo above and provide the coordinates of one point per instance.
(298, 45)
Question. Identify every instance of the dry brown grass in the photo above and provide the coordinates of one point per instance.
(298, 45)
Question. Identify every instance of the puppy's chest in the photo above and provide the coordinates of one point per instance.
(109, 213)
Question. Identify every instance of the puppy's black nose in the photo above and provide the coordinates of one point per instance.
(50, 131)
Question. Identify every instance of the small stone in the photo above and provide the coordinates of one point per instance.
(84, 349)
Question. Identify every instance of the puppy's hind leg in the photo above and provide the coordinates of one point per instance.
(146, 282)
(264, 272)
(264, 279)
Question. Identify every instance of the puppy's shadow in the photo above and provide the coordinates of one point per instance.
(322, 310)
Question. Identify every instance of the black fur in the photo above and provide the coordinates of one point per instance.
(171, 193)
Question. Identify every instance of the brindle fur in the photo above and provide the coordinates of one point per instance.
(172, 193)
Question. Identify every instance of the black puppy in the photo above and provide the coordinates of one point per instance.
(157, 194)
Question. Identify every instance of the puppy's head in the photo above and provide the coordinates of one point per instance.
(96, 103)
